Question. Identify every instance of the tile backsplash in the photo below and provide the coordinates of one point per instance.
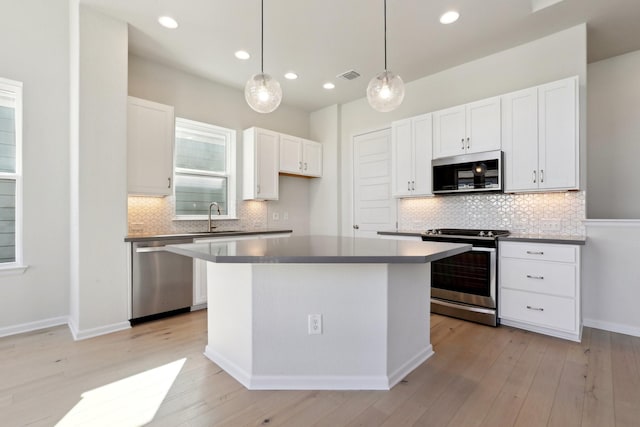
(519, 213)
(155, 215)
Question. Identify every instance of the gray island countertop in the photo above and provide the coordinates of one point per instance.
(319, 249)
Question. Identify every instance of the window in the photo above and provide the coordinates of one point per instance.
(10, 173)
(204, 170)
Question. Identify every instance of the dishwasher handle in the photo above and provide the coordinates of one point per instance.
(150, 249)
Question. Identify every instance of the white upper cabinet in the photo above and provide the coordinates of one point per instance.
(540, 137)
(466, 129)
(261, 162)
(411, 147)
(150, 138)
(300, 156)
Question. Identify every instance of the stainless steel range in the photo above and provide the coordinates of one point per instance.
(465, 285)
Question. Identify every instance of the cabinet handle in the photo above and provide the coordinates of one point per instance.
(356, 227)
(258, 187)
(535, 308)
(529, 276)
(541, 175)
(468, 143)
(305, 166)
(169, 186)
(300, 165)
(534, 177)
(462, 141)
(408, 185)
(413, 185)
(535, 252)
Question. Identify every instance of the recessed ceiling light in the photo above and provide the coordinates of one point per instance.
(168, 22)
(291, 76)
(449, 17)
(328, 86)
(242, 54)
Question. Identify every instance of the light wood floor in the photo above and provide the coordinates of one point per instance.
(479, 376)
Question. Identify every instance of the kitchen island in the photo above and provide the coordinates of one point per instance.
(318, 312)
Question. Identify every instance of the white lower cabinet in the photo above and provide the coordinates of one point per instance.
(539, 288)
(200, 266)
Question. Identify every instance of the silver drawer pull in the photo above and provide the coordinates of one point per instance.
(535, 308)
(535, 252)
(529, 276)
(150, 249)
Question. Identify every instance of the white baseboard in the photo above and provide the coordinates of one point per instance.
(410, 365)
(316, 382)
(94, 332)
(612, 327)
(33, 326)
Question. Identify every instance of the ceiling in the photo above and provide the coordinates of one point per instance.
(319, 39)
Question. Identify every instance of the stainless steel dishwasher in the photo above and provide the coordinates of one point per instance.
(162, 281)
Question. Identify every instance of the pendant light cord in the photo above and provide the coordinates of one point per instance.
(385, 35)
(262, 37)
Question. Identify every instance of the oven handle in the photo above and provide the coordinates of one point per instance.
(479, 249)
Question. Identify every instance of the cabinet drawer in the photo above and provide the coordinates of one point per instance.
(541, 252)
(544, 310)
(545, 277)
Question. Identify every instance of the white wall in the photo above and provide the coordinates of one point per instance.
(198, 99)
(614, 136)
(35, 51)
(324, 203)
(611, 276)
(551, 58)
(99, 171)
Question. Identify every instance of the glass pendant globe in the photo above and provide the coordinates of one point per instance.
(385, 91)
(263, 93)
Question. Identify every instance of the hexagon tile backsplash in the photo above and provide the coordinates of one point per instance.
(518, 213)
(155, 215)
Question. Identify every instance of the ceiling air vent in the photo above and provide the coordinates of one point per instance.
(349, 75)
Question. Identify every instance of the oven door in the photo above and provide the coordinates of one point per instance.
(469, 278)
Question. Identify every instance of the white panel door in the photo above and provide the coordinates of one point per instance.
(290, 154)
(422, 153)
(311, 158)
(268, 164)
(374, 208)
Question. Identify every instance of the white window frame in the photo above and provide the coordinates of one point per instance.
(229, 136)
(14, 89)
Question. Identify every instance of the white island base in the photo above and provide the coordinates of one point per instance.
(375, 323)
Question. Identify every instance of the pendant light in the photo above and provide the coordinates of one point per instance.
(262, 92)
(386, 90)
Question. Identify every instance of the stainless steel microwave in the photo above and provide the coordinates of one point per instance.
(468, 173)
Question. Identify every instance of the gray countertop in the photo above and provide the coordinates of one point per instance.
(544, 238)
(320, 249)
(198, 235)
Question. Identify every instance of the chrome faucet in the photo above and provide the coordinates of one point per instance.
(219, 213)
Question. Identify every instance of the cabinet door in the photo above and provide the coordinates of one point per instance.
(520, 140)
(261, 162)
(150, 136)
(558, 139)
(290, 154)
(449, 132)
(268, 163)
(401, 158)
(483, 126)
(311, 158)
(422, 149)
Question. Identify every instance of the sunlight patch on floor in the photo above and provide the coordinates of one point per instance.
(132, 401)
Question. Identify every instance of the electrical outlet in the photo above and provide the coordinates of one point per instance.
(315, 324)
(285, 216)
(275, 216)
(550, 225)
